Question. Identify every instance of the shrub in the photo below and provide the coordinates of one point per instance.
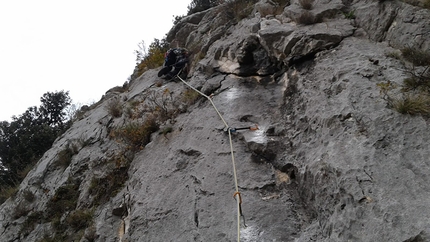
(114, 108)
(414, 82)
(282, 3)
(108, 186)
(23, 173)
(80, 219)
(190, 96)
(165, 131)
(424, 3)
(47, 238)
(132, 110)
(91, 234)
(20, 210)
(161, 104)
(64, 199)
(307, 18)
(29, 224)
(427, 4)
(119, 89)
(306, 4)
(135, 134)
(201, 5)
(416, 88)
(28, 196)
(65, 156)
(239, 9)
(159, 83)
(419, 77)
(385, 88)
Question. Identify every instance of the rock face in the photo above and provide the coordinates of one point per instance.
(329, 162)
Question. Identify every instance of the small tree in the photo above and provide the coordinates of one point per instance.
(52, 110)
(140, 52)
(151, 58)
(24, 140)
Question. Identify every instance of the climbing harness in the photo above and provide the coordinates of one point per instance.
(229, 131)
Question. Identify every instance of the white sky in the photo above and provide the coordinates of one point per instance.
(82, 46)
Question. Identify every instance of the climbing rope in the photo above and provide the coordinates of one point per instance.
(230, 130)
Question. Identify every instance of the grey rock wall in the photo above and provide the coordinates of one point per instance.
(329, 162)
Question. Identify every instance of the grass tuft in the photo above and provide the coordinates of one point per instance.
(413, 104)
(7, 192)
(416, 57)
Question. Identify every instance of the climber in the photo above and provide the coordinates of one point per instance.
(175, 60)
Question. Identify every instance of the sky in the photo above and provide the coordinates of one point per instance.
(85, 47)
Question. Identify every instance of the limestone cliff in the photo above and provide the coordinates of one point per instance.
(331, 160)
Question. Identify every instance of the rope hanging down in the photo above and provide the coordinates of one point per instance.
(230, 130)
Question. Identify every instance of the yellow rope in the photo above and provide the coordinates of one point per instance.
(239, 199)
